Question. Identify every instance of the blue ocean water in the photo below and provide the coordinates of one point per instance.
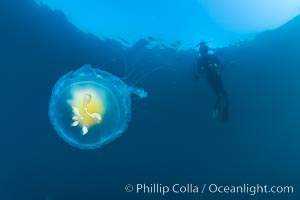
(171, 138)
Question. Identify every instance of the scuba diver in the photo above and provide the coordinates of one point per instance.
(211, 66)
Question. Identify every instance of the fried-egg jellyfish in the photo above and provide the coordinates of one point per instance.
(90, 107)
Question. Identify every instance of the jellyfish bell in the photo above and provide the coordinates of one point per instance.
(90, 107)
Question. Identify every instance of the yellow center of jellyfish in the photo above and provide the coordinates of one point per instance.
(87, 109)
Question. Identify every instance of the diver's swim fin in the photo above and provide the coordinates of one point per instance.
(215, 114)
(220, 113)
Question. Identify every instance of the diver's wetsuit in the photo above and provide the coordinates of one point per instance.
(212, 66)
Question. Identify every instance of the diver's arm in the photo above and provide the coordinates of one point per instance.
(225, 64)
(220, 66)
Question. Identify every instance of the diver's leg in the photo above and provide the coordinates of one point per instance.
(224, 106)
(213, 85)
(217, 108)
(224, 100)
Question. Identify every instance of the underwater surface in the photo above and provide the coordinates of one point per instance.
(171, 137)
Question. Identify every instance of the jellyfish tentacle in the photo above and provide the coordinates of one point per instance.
(148, 74)
(87, 99)
(75, 110)
(85, 130)
(75, 123)
(129, 74)
(96, 116)
(77, 118)
(139, 92)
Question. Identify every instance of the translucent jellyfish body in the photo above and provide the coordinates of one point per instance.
(90, 107)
